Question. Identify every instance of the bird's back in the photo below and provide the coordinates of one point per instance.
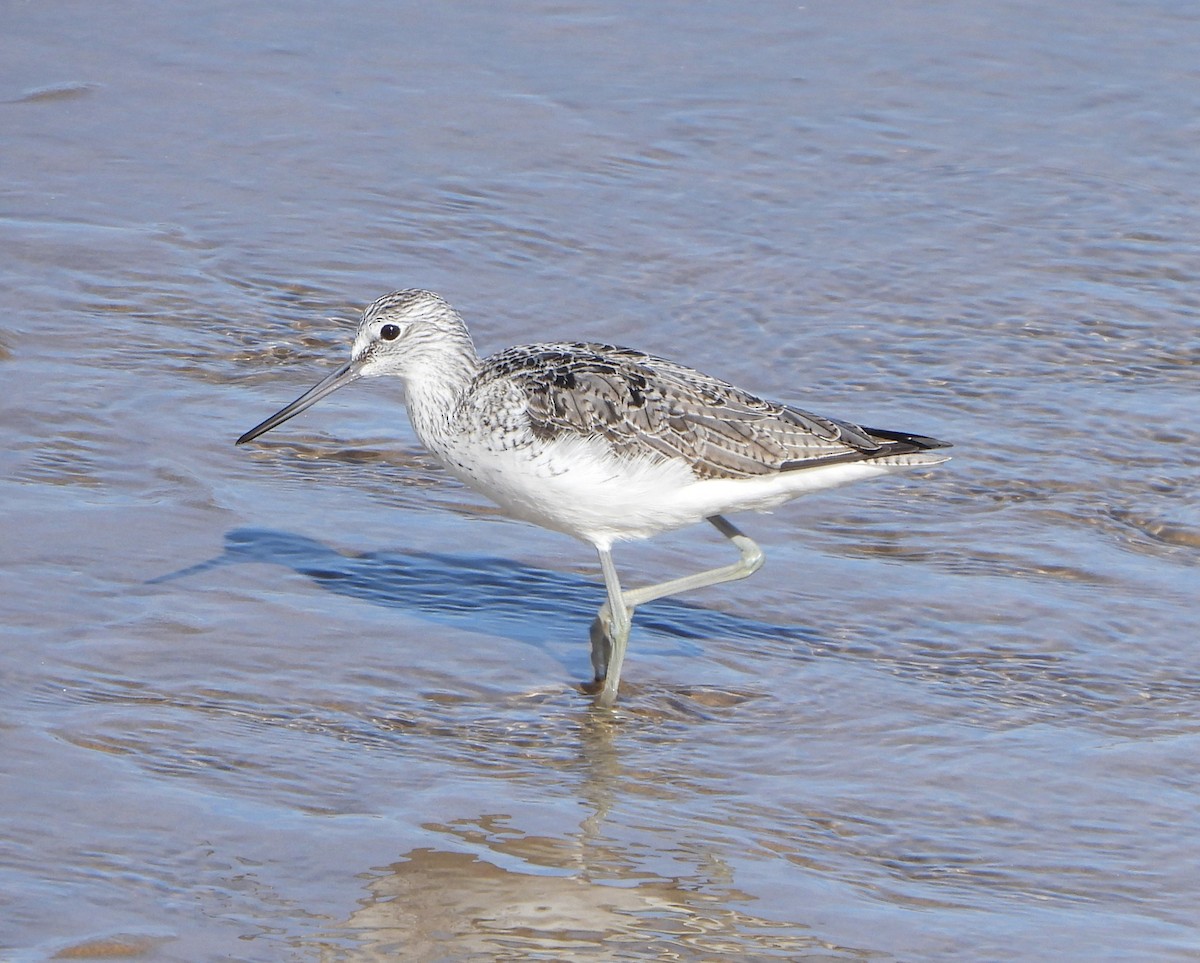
(647, 406)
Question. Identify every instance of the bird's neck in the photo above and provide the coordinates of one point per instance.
(434, 388)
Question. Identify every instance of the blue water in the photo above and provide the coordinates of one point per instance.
(314, 701)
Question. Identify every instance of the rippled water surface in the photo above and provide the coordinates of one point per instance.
(311, 700)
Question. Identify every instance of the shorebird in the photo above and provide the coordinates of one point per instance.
(605, 443)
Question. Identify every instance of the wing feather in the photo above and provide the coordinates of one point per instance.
(649, 407)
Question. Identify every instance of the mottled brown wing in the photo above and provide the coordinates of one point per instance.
(648, 406)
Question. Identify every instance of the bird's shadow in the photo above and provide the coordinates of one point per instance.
(483, 593)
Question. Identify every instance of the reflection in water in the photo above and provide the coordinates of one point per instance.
(453, 905)
(500, 892)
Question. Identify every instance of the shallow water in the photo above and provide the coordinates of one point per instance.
(311, 700)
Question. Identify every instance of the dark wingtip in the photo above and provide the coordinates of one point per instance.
(902, 442)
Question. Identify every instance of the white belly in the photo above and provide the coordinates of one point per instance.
(576, 486)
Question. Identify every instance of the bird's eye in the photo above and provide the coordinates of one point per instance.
(389, 332)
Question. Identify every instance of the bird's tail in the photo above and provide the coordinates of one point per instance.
(899, 448)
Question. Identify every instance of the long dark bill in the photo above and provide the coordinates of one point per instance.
(343, 376)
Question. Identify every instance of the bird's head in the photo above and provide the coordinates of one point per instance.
(404, 333)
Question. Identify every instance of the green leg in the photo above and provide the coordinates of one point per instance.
(610, 630)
